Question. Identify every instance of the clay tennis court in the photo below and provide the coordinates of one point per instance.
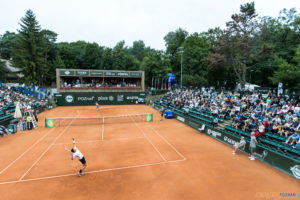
(130, 160)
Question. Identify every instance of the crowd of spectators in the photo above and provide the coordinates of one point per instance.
(249, 111)
(9, 98)
(98, 84)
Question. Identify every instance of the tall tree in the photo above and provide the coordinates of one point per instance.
(155, 65)
(234, 46)
(119, 56)
(174, 40)
(2, 72)
(7, 42)
(196, 50)
(240, 30)
(138, 49)
(29, 51)
(287, 73)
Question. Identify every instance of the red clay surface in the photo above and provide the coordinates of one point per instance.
(137, 160)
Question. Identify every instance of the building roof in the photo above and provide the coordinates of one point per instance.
(14, 70)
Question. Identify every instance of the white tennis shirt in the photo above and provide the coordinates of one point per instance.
(78, 154)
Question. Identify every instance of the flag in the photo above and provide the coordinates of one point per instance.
(25, 90)
(37, 92)
(42, 93)
(20, 87)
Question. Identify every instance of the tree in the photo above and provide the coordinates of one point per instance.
(287, 73)
(119, 56)
(174, 40)
(7, 42)
(50, 53)
(156, 66)
(196, 50)
(2, 72)
(138, 49)
(29, 51)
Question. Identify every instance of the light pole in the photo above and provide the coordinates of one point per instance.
(181, 52)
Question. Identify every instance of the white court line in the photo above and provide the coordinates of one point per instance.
(141, 130)
(29, 148)
(162, 137)
(57, 137)
(90, 141)
(91, 172)
(103, 128)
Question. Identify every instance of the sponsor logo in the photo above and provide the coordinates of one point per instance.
(289, 195)
(101, 98)
(180, 118)
(263, 155)
(120, 98)
(67, 72)
(132, 97)
(111, 98)
(86, 98)
(213, 133)
(69, 98)
(81, 72)
(49, 123)
(230, 141)
(296, 171)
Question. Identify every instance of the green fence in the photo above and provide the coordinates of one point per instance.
(103, 98)
(279, 160)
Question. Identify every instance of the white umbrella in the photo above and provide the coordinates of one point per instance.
(18, 113)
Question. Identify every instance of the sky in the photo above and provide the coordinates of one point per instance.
(109, 21)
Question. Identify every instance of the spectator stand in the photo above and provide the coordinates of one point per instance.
(204, 106)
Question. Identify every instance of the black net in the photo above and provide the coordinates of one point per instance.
(87, 121)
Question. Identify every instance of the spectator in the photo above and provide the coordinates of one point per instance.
(241, 144)
(253, 143)
(294, 138)
(215, 121)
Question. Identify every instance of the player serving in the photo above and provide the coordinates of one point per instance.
(97, 106)
(76, 153)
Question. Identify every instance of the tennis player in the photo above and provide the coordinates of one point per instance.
(238, 145)
(161, 114)
(76, 153)
(97, 105)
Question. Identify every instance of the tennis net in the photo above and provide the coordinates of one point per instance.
(87, 121)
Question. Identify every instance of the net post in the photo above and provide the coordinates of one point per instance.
(49, 122)
(149, 117)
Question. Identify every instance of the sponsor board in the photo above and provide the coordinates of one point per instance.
(69, 99)
(230, 141)
(104, 98)
(296, 171)
(286, 164)
(213, 133)
(180, 118)
(86, 98)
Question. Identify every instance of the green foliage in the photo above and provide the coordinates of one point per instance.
(196, 50)
(7, 42)
(194, 80)
(28, 51)
(247, 50)
(2, 72)
(155, 65)
(288, 74)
